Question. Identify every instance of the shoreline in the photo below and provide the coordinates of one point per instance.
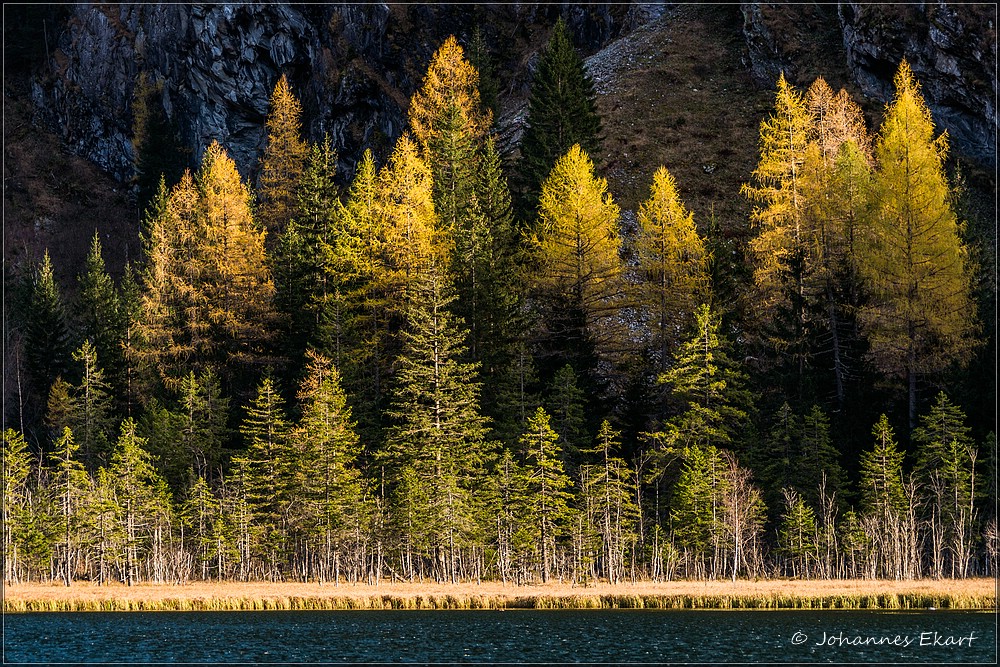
(970, 594)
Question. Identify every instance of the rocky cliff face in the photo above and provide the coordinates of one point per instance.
(951, 48)
(353, 66)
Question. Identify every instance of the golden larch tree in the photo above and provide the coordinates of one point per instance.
(451, 81)
(406, 206)
(673, 278)
(920, 317)
(284, 158)
(779, 246)
(836, 118)
(449, 124)
(209, 293)
(577, 249)
(237, 285)
(837, 135)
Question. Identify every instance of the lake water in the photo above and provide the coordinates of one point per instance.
(502, 636)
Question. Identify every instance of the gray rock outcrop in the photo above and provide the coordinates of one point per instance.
(951, 48)
(354, 67)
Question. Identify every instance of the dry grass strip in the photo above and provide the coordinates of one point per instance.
(769, 594)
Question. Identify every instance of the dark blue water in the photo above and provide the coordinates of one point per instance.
(508, 636)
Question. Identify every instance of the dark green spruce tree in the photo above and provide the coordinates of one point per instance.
(567, 405)
(946, 467)
(268, 464)
(47, 334)
(100, 313)
(330, 510)
(305, 283)
(436, 450)
(130, 380)
(708, 387)
(547, 489)
(482, 59)
(778, 469)
(70, 486)
(562, 111)
(498, 288)
(819, 460)
(189, 434)
(93, 421)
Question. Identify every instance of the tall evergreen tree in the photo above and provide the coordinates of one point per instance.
(93, 419)
(495, 314)
(696, 507)
(882, 471)
(481, 58)
(202, 417)
(819, 459)
(946, 466)
(921, 317)
(609, 492)
(308, 260)
(513, 395)
(454, 157)
(779, 463)
(883, 499)
(101, 316)
(547, 487)
(566, 403)
(17, 465)
(500, 286)
(562, 111)
(200, 510)
(70, 484)
(139, 492)
(797, 533)
(268, 466)
(708, 386)
(437, 441)
(47, 332)
(332, 511)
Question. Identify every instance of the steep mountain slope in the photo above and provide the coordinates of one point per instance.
(680, 85)
(675, 93)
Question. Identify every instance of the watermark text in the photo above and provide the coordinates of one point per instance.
(840, 639)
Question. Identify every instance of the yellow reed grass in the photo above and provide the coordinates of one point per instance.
(767, 594)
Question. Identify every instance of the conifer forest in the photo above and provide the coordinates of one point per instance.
(463, 363)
